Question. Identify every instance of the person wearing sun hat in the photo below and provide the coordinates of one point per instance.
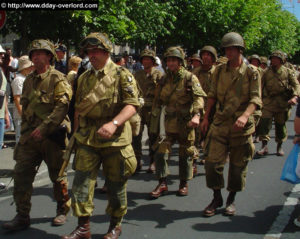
(25, 67)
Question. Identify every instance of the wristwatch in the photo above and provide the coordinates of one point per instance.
(116, 123)
(198, 114)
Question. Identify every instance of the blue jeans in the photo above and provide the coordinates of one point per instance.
(2, 123)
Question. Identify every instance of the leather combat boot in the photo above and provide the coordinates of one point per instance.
(264, 149)
(161, 188)
(113, 232)
(19, 222)
(183, 188)
(61, 214)
(217, 202)
(82, 231)
(230, 207)
(60, 189)
(279, 150)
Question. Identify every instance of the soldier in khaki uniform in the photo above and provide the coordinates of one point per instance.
(147, 80)
(255, 61)
(235, 90)
(263, 62)
(181, 97)
(280, 91)
(204, 73)
(106, 99)
(45, 100)
(196, 61)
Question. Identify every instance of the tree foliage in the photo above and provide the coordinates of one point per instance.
(190, 23)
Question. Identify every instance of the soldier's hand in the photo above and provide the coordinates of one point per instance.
(293, 101)
(107, 130)
(194, 122)
(36, 134)
(240, 122)
(204, 125)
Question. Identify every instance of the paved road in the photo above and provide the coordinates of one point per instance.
(265, 210)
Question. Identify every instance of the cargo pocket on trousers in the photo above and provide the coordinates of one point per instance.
(129, 163)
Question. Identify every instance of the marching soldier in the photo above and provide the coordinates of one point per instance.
(147, 80)
(106, 99)
(196, 61)
(181, 97)
(263, 62)
(235, 90)
(204, 73)
(255, 60)
(280, 92)
(45, 100)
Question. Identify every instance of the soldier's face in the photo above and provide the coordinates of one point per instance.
(97, 57)
(232, 53)
(207, 58)
(255, 62)
(40, 58)
(147, 62)
(263, 65)
(275, 61)
(173, 64)
(196, 63)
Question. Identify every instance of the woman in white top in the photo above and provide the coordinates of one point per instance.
(25, 68)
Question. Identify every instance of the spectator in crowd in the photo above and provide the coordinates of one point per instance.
(120, 61)
(25, 68)
(60, 63)
(74, 63)
(4, 116)
(13, 63)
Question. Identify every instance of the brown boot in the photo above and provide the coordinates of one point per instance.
(217, 202)
(19, 222)
(230, 207)
(183, 188)
(113, 232)
(279, 150)
(161, 188)
(82, 231)
(264, 149)
(61, 215)
(60, 189)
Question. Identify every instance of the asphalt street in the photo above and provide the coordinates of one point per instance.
(265, 210)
